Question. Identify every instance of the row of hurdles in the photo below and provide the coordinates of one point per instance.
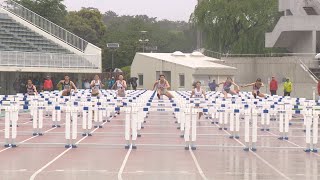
(228, 113)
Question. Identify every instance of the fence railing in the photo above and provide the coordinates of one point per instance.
(219, 55)
(51, 60)
(44, 24)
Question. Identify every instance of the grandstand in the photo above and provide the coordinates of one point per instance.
(31, 43)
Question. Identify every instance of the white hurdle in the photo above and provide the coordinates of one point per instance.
(250, 114)
(11, 118)
(71, 127)
(37, 120)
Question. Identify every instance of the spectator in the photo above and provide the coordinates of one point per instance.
(273, 86)
(47, 84)
(111, 82)
(23, 86)
(287, 87)
(106, 82)
(213, 85)
(16, 86)
(86, 84)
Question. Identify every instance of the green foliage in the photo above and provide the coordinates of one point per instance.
(100, 29)
(236, 26)
(126, 71)
(53, 10)
(168, 36)
(87, 24)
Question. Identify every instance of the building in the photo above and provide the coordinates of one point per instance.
(31, 44)
(180, 69)
(298, 30)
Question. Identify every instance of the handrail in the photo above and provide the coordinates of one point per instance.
(257, 55)
(313, 76)
(46, 25)
(52, 60)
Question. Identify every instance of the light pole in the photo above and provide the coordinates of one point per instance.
(113, 47)
(143, 39)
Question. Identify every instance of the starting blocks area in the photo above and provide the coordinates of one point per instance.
(141, 137)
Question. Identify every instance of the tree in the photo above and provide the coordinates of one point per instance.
(87, 24)
(53, 10)
(168, 36)
(231, 26)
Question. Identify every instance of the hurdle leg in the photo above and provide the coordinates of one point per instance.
(220, 120)
(232, 126)
(58, 118)
(95, 118)
(67, 129)
(104, 116)
(14, 121)
(134, 130)
(254, 131)
(194, 130)
(267, 122)
(84, 123)
(281, 126)
(286, 125)
(315, 133)
(127, 128)
(7, 128)
(308, 133)
(246, 131)
(225, 122)
(182, 123)
(35, 123)
(54, 121)
(100, 118)
(237, 135)
(108, 115)
(187, 131)
(40, 121)
(74, 128)
(262, 122)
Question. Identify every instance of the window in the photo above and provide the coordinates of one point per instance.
(181, 80)
(140, 78)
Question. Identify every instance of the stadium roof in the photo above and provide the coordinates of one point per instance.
(194, 60)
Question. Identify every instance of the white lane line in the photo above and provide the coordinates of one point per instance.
(262, 159)
(18, 124)
(293, 143)
(33, 176)
(27, 139)
(197, 165)
(123, 165)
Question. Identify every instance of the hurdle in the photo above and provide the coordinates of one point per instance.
(71, 128)
(37, 108)
(11, 117)
(250, 114)
(312, 127)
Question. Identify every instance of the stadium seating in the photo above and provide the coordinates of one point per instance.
(16, 37)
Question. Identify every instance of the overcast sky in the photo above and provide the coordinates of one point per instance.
(163, 9)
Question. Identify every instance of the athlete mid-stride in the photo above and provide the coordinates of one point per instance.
(67, 85)
(256, 88)
(162, 86)
(227, 87)
(198, 92)
(96, 85)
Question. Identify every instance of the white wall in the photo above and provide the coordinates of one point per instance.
(251, 68)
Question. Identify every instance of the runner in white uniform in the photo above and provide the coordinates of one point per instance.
(198, 92)
(96, 85)
(121, 86)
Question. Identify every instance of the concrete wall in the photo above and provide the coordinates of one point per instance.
(251, 68)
